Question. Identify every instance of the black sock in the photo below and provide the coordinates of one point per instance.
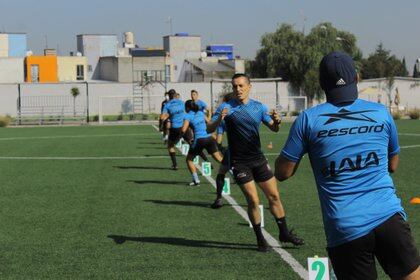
(203, 156)
(281, 223)
(220, 182)
(173, 158)
(258, 232)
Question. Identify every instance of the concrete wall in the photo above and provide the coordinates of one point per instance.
(181, 48)
(4, 45)
(149, 63)
(117, 69)
(264, 92)
(95, 46)
(11, 70)
(125, 70)
(408, 89)
(67, 68)
(109, 68)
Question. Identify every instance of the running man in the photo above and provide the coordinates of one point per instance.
(164, 125)
(174, 110)
(353, 147)
(202, 139)
(224, 167)
(243, 117)
(202, 106)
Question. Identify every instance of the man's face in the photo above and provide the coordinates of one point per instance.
(241, 88)
(194, 96)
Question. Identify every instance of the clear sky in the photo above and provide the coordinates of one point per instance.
(395, 23)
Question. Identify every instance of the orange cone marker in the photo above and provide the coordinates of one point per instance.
(415, 200)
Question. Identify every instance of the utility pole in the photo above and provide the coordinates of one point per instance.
(169, 21)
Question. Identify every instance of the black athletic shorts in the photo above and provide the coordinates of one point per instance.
(257, 170)
(175, 135)
(204, 143)
(391, 243)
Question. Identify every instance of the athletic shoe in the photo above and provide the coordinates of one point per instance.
(218, 203)
(174, 167)
(194, 183)
(263, 246)
(292, 238)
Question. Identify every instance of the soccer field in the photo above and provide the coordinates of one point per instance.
(101, 202)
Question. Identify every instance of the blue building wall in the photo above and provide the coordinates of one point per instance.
(220, 51)
(17, 45)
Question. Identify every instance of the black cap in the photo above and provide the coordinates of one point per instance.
(338, 78)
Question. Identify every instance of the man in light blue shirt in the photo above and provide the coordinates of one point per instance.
(174, 111)
(202, 106)
(353, 146)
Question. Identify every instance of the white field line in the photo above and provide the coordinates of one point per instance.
(286, 256)
(127, 134)
(73, 136)
(80, 158)
(411, 146)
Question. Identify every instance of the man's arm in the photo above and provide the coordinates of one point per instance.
(164, 116)
(284, 168)
(272, 120)
(212, 126)
(185, 126)
(393, 146)
(393, 162)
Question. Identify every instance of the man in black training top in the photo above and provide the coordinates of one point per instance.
(243, 117)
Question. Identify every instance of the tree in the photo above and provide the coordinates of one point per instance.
(416, 73)
(295, 57)
(74, 92)
(382, 64)
(404, 65)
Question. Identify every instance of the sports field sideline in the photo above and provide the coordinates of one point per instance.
(101, 202)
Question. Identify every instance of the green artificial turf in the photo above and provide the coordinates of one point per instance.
(133, 218)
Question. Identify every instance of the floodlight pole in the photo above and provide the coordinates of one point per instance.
(211, 96)
(19, 104)
(87, 102)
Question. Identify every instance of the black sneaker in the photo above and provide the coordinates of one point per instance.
(292, 238)
(194, 183)
(174, 167)
(218, 203)
(263, 246)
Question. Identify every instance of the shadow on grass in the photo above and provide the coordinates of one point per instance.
(120, 239)
(143, 167)
(159, 182)
(151, 148)
(180, 202)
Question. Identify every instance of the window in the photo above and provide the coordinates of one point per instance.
(90, 68)
(80, 73)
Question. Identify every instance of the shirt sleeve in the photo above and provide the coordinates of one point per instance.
(187, 117)
(266, 118)
(218, 112)
(296, 144)
(393, 145)
(204, 105)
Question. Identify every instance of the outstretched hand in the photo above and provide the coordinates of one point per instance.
(275, 116)
(224, 112)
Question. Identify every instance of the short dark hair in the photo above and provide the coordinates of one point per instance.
(171, 93)
(193, 90)
(190, 105)
(239, 75)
